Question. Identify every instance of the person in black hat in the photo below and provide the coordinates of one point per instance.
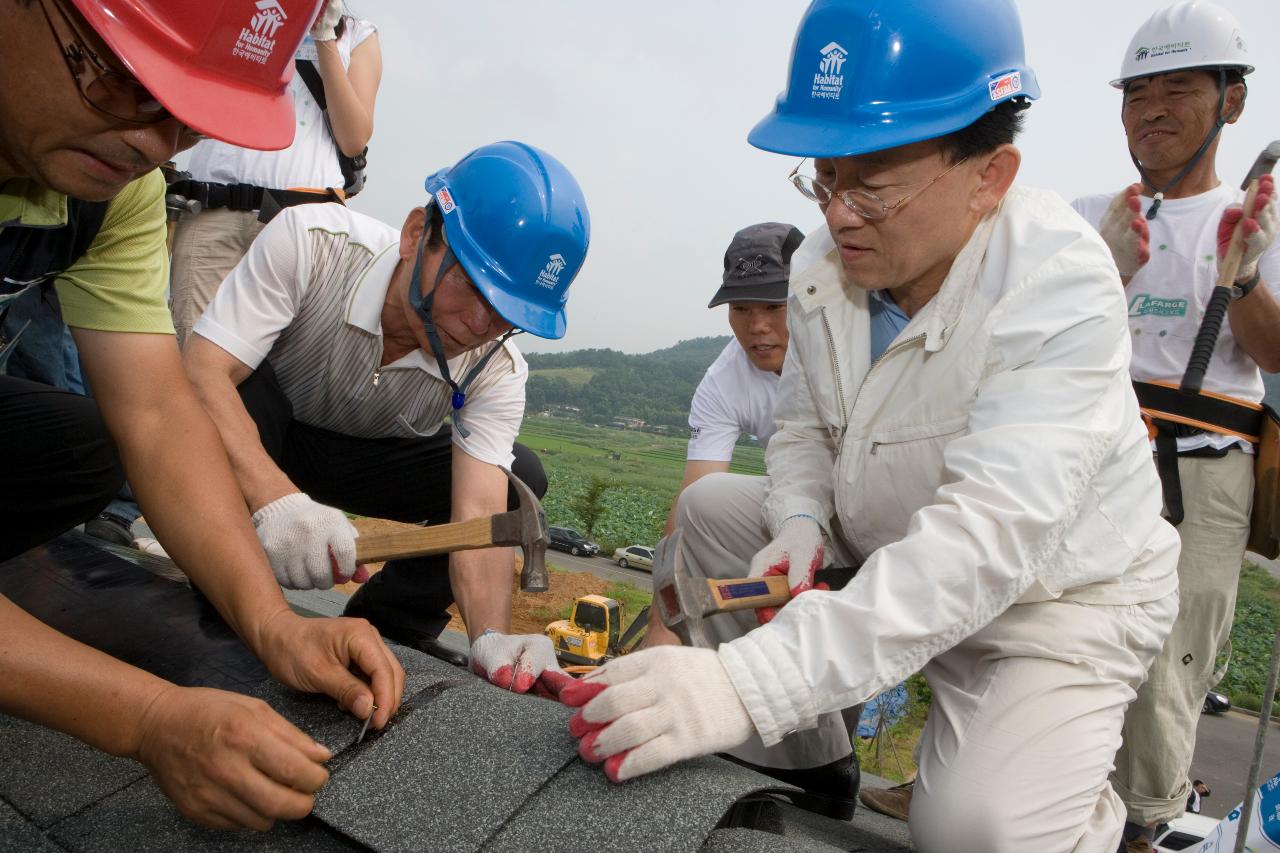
(737, 392)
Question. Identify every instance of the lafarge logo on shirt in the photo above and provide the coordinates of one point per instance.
(550, 275)
(829, 82)
(257, 41)
(1144, 304)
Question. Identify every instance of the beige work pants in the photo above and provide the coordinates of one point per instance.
(1160, 728)
(1026, 713)
(206, 246)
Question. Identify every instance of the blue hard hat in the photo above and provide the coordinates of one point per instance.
(518, 223)
(867, 75)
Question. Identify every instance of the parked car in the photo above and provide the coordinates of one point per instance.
(1184, 833)
(568, 539)
(634, 555)
(1216, 703)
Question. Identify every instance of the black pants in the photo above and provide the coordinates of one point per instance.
(60, 464)
(403, 479)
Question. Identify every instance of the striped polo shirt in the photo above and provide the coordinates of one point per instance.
(308, 297)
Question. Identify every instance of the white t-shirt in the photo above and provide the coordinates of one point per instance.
(312, 159)
(308, 297)
(1168, 296)
(733, 397)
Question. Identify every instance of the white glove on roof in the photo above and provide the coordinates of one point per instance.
(652, 708)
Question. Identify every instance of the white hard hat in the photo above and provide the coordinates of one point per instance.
(1188, 34)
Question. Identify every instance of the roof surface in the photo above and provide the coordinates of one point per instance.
(463, 766)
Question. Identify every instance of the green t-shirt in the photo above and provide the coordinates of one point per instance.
(119, 284)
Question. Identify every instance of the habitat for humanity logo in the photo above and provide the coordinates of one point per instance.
(828, 82)
(257, 41)
(1161, 50)
(1145, 304)
(550, 275)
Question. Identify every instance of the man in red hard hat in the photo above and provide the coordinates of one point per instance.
(94, 95)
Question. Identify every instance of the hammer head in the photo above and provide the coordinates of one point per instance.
(1264, 164)
(529, 528)
(683, 601)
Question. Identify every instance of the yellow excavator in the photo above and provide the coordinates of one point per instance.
(593, 632)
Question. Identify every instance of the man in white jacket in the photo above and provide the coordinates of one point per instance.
(988, 466)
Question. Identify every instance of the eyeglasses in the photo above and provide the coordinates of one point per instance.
(865, 203)
(102, 87)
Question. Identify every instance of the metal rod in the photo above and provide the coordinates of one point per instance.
(1255, 766)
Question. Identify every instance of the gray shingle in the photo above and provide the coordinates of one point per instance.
(47, 775)
(451, 768)
(19, 835)
(754, 841)
(139, 819)
(673, 810)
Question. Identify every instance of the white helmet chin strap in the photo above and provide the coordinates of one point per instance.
(1195, 158)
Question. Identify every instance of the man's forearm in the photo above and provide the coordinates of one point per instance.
(482, 587)
(51, 679)
(261, 481)
(179, 472)
(1254, 320)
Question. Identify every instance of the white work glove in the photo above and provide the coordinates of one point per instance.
(652, 708)
(310, 545)
(796, 552)
(1125, 231)
(521, 663)
(326, 26)
(1259, 229)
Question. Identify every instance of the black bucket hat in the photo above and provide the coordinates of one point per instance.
(758, 263)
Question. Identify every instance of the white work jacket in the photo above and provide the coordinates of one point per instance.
(992, 455)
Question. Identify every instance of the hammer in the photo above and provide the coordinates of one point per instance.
(1220, 300)
(526, 526)
(685, 602)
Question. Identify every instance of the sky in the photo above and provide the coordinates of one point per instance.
(649, 104)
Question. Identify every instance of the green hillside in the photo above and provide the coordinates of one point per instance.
(606, 385)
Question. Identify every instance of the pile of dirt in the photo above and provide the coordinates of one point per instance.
(530, 611)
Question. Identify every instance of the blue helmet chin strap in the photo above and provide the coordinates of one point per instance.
(422, 305)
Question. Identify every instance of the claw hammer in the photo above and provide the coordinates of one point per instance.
(685, 602)
(525, 526)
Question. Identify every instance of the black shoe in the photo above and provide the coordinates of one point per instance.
(830, 790)
(395, 627)
(110, 528)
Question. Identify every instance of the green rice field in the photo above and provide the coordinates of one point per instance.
(644, 471)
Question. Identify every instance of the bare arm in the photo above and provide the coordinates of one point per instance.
(350, 92)
(1254, 320)
(178, 469)
(694, 469)
(215, 374)
(481, 579)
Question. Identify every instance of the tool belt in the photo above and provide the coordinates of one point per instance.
(1170, 415)
(268, 202)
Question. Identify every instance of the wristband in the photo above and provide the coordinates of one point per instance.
(1242, 289)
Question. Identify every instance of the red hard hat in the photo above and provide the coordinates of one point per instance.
(222, 67)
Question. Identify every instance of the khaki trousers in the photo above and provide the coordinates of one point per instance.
(1026, 713)
(206, 247)
(1160, 728)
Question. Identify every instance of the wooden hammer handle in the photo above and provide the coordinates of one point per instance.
(1235, 249)
(749, 593)
(414, 541)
